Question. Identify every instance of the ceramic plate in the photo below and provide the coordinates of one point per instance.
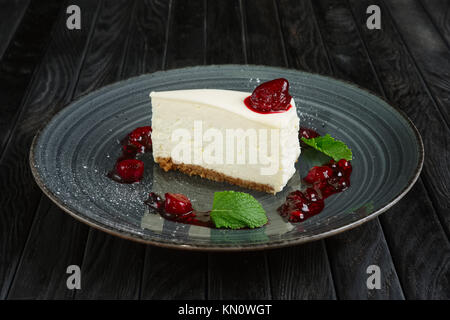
(72, 154)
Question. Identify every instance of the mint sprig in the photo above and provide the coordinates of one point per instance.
(328, 145)
(237, 210)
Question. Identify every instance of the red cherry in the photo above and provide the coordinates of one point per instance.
(297, 197)
(270, 96)
(296, 216)
(343, 184)
(177, 203)
(312, 195)
(130, 170)
(327, 191)
(307, 133)
(345, 166)
(141, 139)
(317, 174)
(315, 207)
(129, 150)
(284, 209)
(154, 201)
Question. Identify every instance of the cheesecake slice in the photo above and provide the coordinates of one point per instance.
(219, 135)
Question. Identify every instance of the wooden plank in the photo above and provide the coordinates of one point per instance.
(22, 56)
(351, 253)
(55, 241)
(174, 274)
(418, 243)
(224, 30)
(11, 14)
(439, 12)
(303, 42)
(428, 49)
(112, 267)
(169, 274)
(105, 58)
(419, 247)
(263, 36)
(301, 272)
(106, 257)
(186, 38)
(429, 54)
(52, 87)
(347, 54)
(238, 276)
(147, 46)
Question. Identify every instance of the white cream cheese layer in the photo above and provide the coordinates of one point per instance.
(209, 127)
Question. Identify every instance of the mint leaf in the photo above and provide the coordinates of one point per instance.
(329, 146)
(236, 210)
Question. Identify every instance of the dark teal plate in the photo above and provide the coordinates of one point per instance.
(71, 155)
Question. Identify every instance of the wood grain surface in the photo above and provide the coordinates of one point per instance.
(44, 66)
(51, 89)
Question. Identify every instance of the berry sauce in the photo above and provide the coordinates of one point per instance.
(322, 182)
(307, 133)
(128, 168)
(270, 97)
(177, 207)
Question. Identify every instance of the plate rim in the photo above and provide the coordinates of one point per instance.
(227, 248)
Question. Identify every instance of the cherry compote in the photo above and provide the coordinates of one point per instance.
(322, 182)
(177, 207)
(307, 133)
(129, 169)
(270, 97)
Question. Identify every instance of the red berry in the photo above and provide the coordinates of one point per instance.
(343, 184)
(345, 167)
(315, 207)
(332, 164)
(296, 216)
(177, 203)
(130, 170)
(312, 195)
(317, 174)
(154, 201)
(130, 150)
(270, 96)
(141, 139)
(307, 133)
(297, 196)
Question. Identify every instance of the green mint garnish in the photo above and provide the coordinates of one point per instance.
(236, 210)
(329, 146)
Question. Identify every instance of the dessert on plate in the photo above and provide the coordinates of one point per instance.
(246, 139)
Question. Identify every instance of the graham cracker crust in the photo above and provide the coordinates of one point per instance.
(191, 169)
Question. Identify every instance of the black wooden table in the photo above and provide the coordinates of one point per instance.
(44, 65)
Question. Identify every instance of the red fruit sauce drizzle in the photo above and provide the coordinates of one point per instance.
(307, 133)
(129, 169)
(322, 182)
(270, 97)
(177, 207)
